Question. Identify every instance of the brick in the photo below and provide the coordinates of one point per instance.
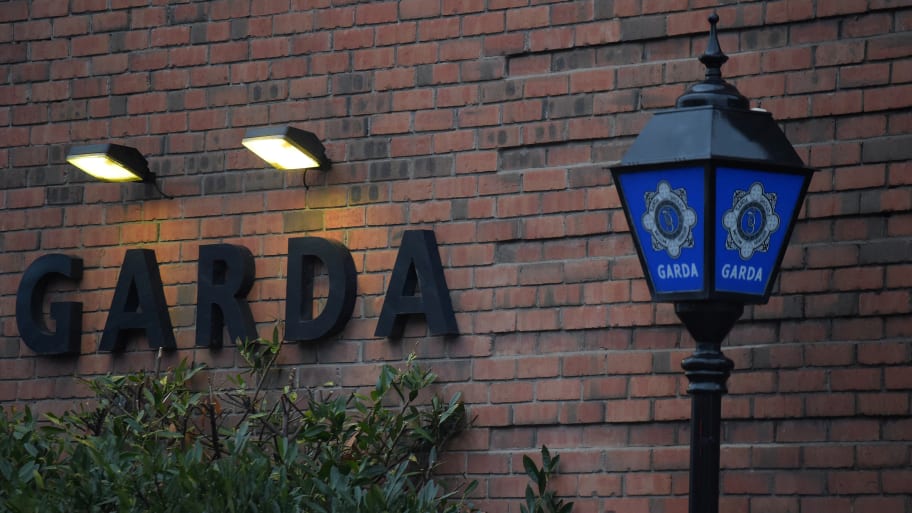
(391, 123)
(532, 64)
(886, 149)
(488, 23)
(479, 116)
(445, 73)
(482, 70)
(440, 119)
(32, 30)
(874, 504)
(415, 99)
(571, 13)
(44, 50)
(871, 125)
(460, 140)
(394, 79)
(868, 25)
(411, 9)
(440, 29)
(880, 457)
(151, 60)
(423, 53)
(476, 162)
(169, 36)
(592, 81)
(540, 133)
(642, 75)
(528, 17)
(334, 18)
(895, 482)
(828, 456)
(848, 102)
(504, 44)
(813, 32)
(462, 6)
(840, 53)
(145, 103)
(645, 27)
(788, 108)
(892, 353)
(889, 302)
(349, 39)
(888, 98)
(786, 59)
(853, 482)
(408, 146)
(650, 483)
(864, 75)
(740, 483)
(308, 87)
(506, 4)
(381, 12)
(229, 52)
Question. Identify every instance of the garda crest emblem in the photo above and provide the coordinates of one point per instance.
(751, 221)
(669, 219)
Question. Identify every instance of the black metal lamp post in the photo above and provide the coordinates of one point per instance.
(711, 190)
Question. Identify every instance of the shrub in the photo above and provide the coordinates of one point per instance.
(151, 443)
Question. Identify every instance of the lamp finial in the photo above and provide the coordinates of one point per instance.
(713, 90)
(713, 58)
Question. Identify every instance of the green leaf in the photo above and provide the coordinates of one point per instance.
(531, 469)
(26, 471)
(546, 457)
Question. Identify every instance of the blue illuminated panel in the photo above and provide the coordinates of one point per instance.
(666, 210)
(753, 210)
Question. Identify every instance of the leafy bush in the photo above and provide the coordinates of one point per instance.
(540, 499)
(153, 444)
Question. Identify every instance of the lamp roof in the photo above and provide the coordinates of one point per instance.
(711, 132)
(712, 120)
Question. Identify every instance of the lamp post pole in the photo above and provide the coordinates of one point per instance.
(707, 370)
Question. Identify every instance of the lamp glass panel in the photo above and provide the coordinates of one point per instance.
(280, 153)
(753, 211)
(103, 168)
(666, 209)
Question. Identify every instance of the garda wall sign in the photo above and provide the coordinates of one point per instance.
(710, 232)
(225, 274)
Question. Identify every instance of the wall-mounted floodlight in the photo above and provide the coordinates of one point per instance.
(111, 163)
(285, 147)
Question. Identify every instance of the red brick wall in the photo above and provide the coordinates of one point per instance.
(491, 122)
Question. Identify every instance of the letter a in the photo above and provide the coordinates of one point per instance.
(138, 304)
(417, 267)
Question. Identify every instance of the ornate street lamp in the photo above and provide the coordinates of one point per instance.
(711, 190)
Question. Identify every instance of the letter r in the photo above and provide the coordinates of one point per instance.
(225, 276)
